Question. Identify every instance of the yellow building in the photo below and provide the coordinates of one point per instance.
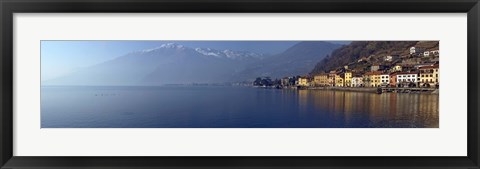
(376, 80)
(429, 76)
(373, 79)
(321, 80)
(339, 80)
(303, 81)
(331, 78)
(348, 79)
(397, 68)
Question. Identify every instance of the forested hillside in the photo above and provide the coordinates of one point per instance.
(373, 50)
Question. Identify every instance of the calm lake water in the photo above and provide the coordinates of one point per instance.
(232, 107)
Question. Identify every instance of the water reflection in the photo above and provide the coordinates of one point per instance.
(232, 107)
(373, 110)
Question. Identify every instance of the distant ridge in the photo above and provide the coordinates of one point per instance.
(299, 59)
(173, 63)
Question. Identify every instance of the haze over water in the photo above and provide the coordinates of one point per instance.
(232, 107)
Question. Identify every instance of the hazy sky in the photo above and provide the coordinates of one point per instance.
(62, 57)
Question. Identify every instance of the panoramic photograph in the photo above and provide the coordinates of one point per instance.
(239, 84)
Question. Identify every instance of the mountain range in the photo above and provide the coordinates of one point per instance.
(173, 63)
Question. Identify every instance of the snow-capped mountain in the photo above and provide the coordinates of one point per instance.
(224, 54)
(178, 64)
(235, 55)
(165, 46)
(166, 64)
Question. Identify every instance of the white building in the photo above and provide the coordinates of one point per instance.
(407, 79)
(376, 67)
(412, 50)
(426, 54)
(384, 79)
(357, 81)
(389, 58)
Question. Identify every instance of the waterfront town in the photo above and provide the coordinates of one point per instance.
(418, 69)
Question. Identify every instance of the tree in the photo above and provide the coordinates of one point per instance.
(266, 82)
(258, 82)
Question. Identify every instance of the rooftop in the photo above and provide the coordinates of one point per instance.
(374, 73)
(429, 67)
(406, 73)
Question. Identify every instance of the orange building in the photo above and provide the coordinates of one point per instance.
(372, 79)
(393, 79)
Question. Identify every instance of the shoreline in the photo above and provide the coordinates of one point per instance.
(349, 89)
(376, 90)
(366, 89)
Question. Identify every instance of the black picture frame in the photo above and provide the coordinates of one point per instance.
(9, 7)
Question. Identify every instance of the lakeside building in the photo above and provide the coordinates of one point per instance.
(357, 81)
(288, 81)
(429, 76)
(331, 78)
(339, 80)
(303, 81)
(393, 79)
(285, 81)
(410, 71)
(436, 74)
(407, 79)
(426, 76)
(348, 79)
(321, 80)
(384, 80)
(372, 79)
